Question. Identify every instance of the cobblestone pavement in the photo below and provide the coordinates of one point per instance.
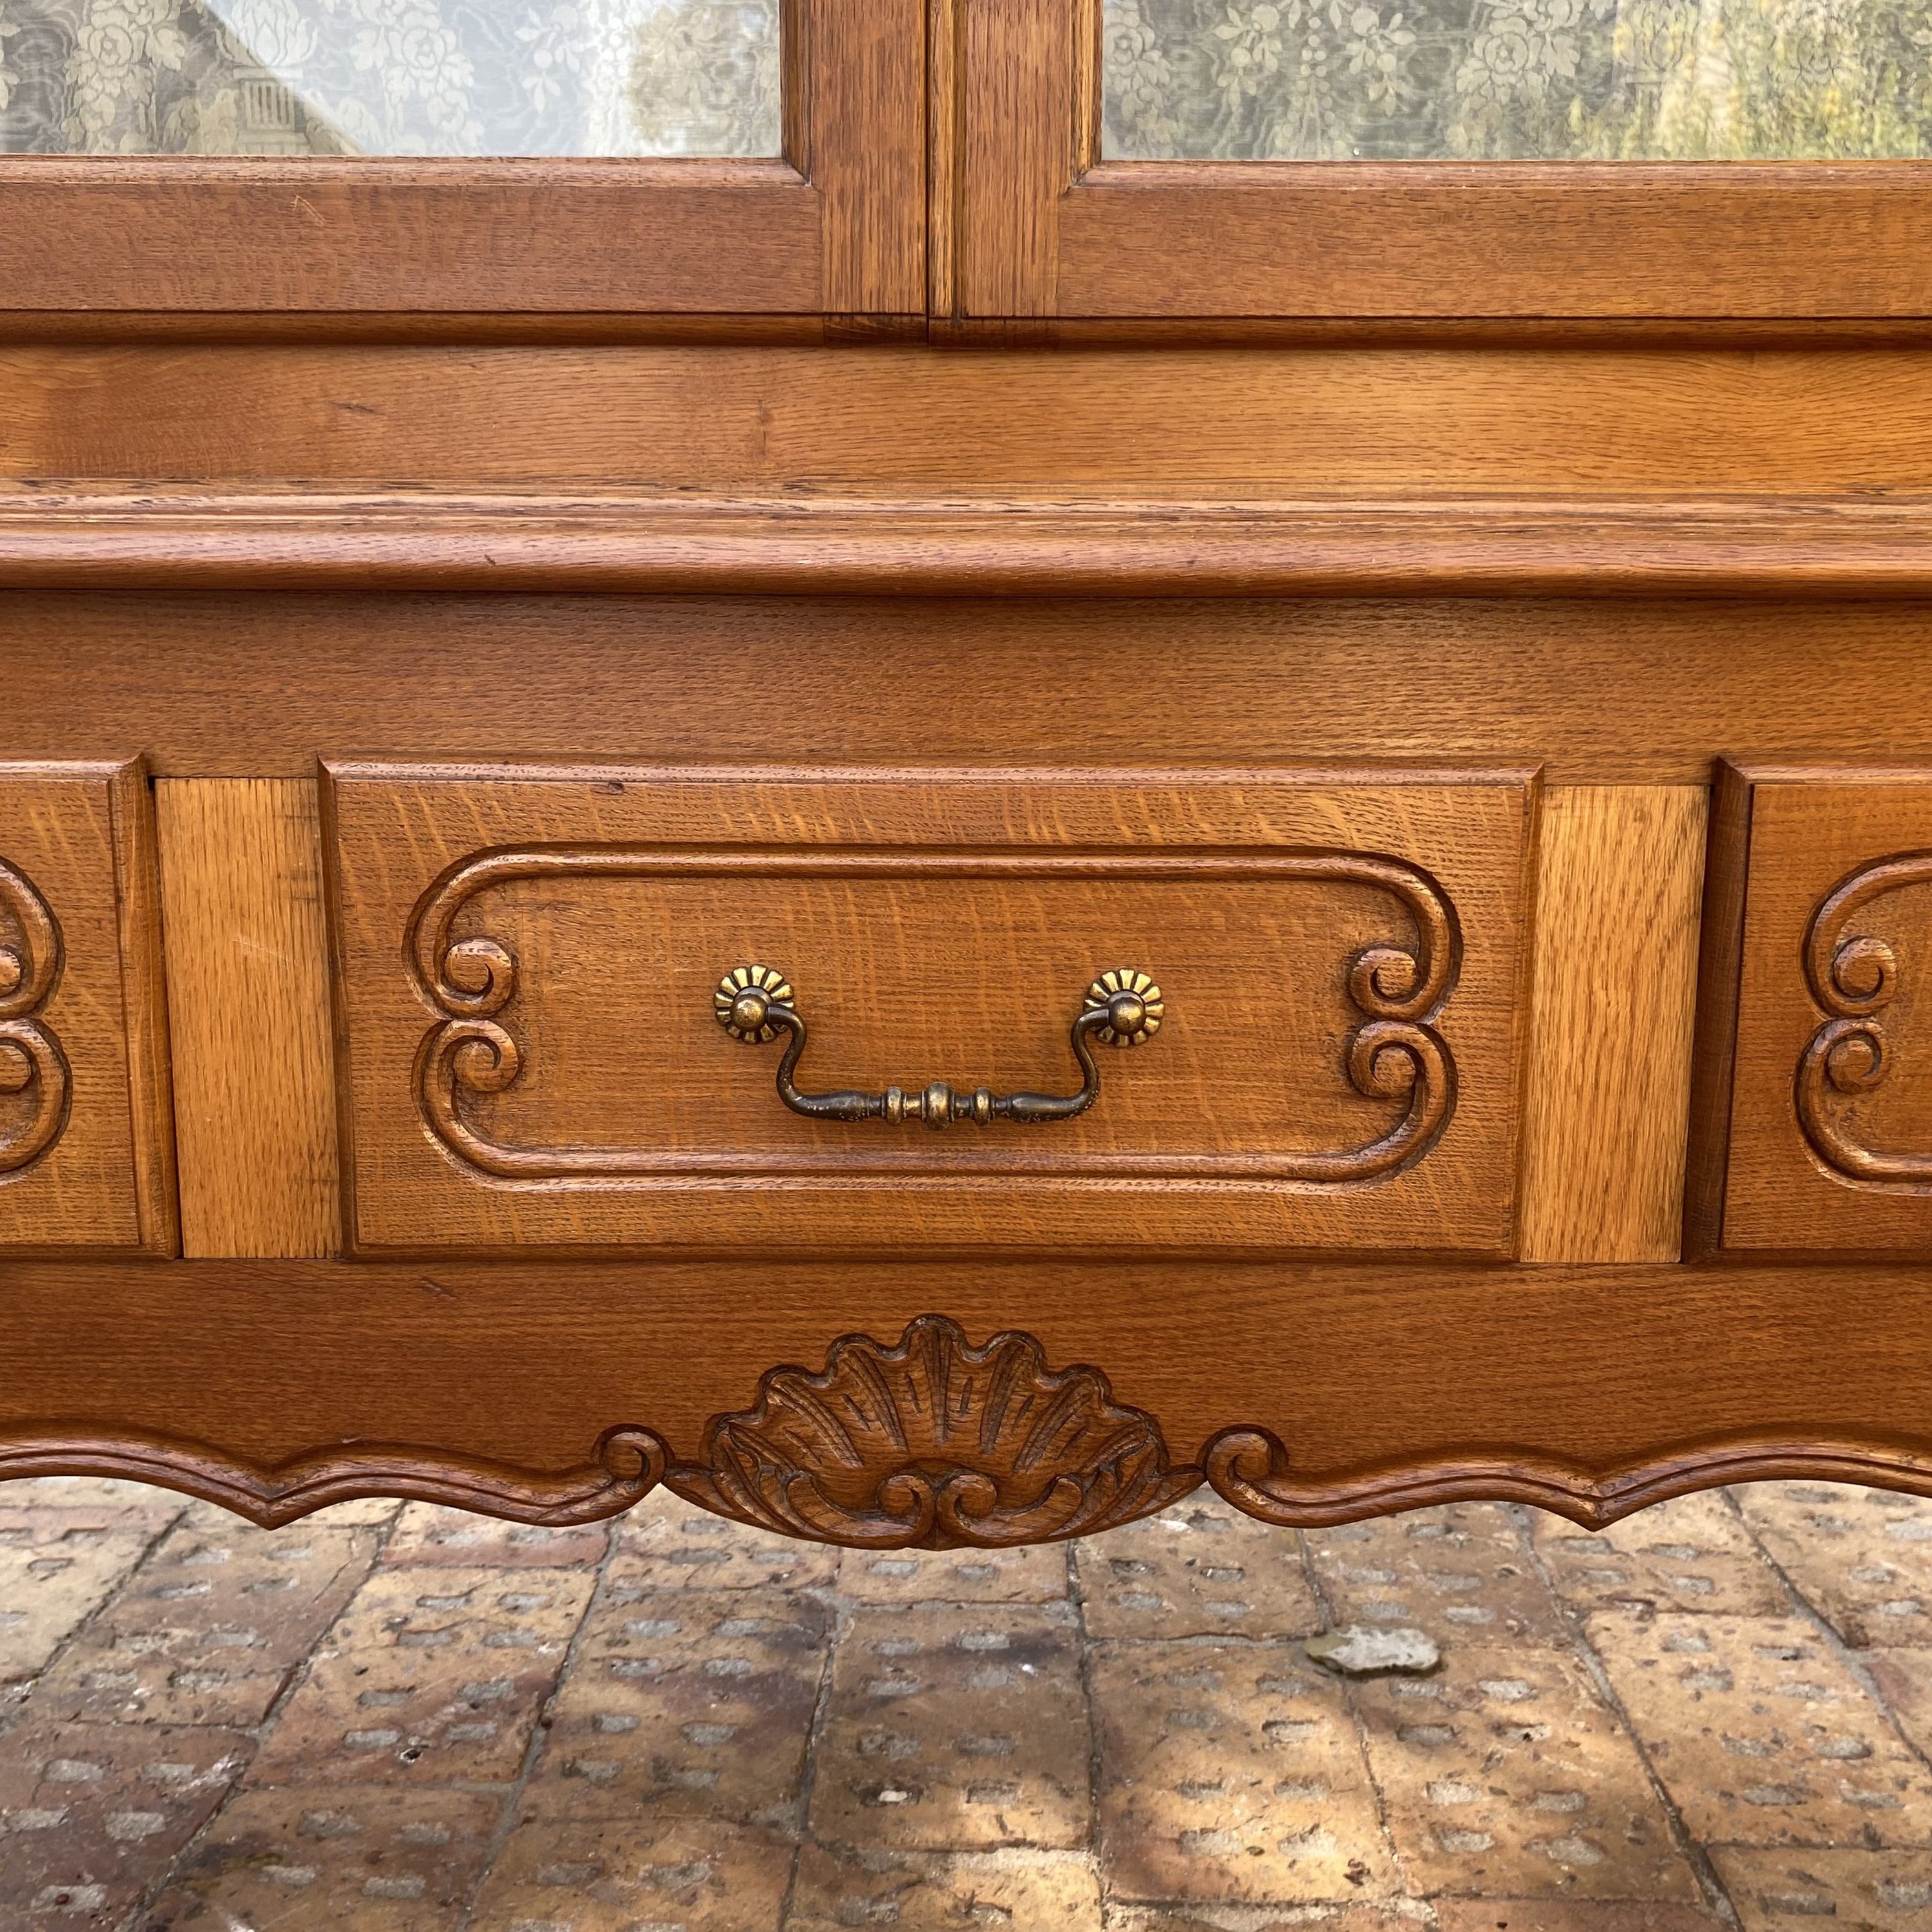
(407, 1719)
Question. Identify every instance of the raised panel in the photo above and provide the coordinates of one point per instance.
(1830, 1128)
(85, 1152)
(529, 966)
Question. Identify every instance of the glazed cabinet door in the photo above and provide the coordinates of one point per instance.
(1169, 161)
(515, 176)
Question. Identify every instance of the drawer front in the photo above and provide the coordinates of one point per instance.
(1830, 1128)
(85, 1145)
(1318, 1049)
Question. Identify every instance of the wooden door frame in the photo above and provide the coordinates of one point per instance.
(836, 227)
(1031, 223)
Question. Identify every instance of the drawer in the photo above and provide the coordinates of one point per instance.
(1091, 1011)
(1825, 927)
(86, 1153)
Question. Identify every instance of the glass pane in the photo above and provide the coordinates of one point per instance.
(389, 76)
(1499, 79)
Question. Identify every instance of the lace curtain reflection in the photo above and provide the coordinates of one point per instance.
(1493, 79)
(389, 76)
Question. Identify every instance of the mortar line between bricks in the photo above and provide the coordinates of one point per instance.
(297, 1675)
(1076, 1594)
(86, 1623)
(1323, 1601)
(1352, 1704)
(821, 1716)
(506, 1818)
(1695, 1856)
(1834, 1641)
(80, 1629)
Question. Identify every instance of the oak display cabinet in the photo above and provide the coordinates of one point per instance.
(933, 834)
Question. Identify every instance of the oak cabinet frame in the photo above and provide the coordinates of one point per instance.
(835, 227)
(942, 163)
(1612, 470)
(1031, 221)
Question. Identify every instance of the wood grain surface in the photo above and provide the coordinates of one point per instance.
(1022, 558)
(1606, 1091)
(1143, 424)
(1495, 238)
(247, 966)
(222, 685)
(856, 112)
(86, 1026)
(1016, 154)
(1050, 228)
(1851, 1169)
(1416, 547)
(836, 227)
(937, 926)
(1391, 1387)
(175, 232)
(130, 793)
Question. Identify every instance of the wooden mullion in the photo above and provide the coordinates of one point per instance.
(945, 163)
(864, 73)
(1022, 72)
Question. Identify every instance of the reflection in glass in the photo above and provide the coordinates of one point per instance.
(389, 76)
(1496, 79)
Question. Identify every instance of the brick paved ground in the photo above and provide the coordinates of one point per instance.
(406, 1719)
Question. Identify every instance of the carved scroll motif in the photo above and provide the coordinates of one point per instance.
(1250, 1468)
(934, 1444)
(1395, 1051)
(31, 1062)
(1854, 977)
(627, 1464)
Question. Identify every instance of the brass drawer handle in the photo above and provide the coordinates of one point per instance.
(755, 1004)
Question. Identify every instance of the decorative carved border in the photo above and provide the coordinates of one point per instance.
(934, 1444)
(628, 1464)
(1396, 1050)
(1249, 1468)
(906, 1505)
(1853, 977)
(30, 1059)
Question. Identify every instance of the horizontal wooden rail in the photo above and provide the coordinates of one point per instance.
(1553, 547)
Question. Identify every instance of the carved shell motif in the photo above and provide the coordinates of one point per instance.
(934, 1444)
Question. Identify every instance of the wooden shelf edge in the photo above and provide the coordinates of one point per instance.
(1594, 547)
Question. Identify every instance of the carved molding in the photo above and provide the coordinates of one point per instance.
(1515, 545)
(31, 1062)
(628, 1465)
(1854, 976)
(1249, 1468)
(1395, 1051)
(934, 1444)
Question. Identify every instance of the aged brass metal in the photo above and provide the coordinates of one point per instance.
(756, 1003)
